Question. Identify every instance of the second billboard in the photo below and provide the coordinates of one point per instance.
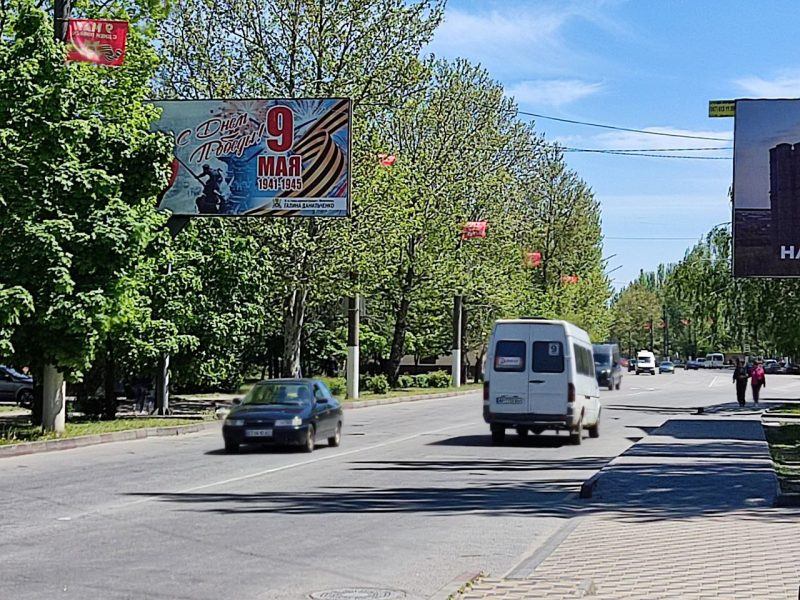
(766, 189)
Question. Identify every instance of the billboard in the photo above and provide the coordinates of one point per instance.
(766, 189)
(263, 157)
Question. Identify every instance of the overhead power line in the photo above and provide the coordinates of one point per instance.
(702, 149)
(616, 128)
(646, 154)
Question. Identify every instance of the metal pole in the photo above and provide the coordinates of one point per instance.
(54, 408)
(353, 358)
(652, 339)
(175, 225)
(456, 367)
(61, 13)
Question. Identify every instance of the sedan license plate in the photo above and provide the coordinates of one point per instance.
(258, 433)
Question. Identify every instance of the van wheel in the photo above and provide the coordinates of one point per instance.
(594, 430)
(522, 432)
(619, 384)
(576, 436)
(498, 435)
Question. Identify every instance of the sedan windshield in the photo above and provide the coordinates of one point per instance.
(287, 394)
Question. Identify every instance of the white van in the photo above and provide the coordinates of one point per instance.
(715, 360)
(540, 375)
(645, 362)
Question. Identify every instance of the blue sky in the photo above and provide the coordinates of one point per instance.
(643, 64)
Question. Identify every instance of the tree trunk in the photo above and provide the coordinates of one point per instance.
(479, 364)
(293, 318)
(109, 384)
(398, 339)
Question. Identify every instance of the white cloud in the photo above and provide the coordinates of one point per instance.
(552, 92)
(515, 44)
(785, 85)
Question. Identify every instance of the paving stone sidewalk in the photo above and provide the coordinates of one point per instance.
(685, 513)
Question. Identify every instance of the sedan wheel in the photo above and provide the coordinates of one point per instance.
(310, 440)
(25, 399)
(337, 437)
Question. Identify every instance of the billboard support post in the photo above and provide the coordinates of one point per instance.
(456, 367)
(175, 225)
(353, 357)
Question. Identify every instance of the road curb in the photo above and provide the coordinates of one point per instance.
(382, 401)
(588, 486)
(526, 567)
(103, 438)
(456, 585)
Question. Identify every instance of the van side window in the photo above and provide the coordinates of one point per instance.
(585, 361)
(509, 355)
(548, 357)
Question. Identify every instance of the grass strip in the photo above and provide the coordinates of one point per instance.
(18, 433)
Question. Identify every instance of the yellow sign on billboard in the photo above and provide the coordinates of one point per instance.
(722, 108)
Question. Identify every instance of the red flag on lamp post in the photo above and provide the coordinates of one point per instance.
(97, 41)
(387, 160)
(473, 229)
(533, 259)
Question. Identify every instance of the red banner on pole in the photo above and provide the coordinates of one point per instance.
(533, 259)
(97, 41)
(473, 229)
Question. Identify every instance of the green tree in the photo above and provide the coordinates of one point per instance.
(77, 192)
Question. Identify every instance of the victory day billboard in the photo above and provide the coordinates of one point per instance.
(766, 189)
(275, 157)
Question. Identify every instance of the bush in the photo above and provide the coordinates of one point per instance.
(337, 385)
(378, 384)
(92, 407)
(405, 381)
(439, 379)
(421, 380)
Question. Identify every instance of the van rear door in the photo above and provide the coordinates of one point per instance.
(548, 374)
(509, 379)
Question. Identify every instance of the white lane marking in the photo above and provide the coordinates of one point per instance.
(713, 381)
(289, 466)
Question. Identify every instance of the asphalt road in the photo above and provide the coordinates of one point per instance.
(414, 498)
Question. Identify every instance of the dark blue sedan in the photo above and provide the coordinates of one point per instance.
(294, 412)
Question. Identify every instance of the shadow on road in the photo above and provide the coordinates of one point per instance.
(689, 468)
(530, 441)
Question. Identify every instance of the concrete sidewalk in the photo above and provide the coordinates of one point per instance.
(685, 513)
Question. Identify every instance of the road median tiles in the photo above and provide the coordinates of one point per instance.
(103, 438)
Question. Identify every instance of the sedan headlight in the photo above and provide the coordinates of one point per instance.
(294, 422)
(234, 422)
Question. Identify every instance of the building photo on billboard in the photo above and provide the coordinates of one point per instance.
(766, 189)
(258, 157)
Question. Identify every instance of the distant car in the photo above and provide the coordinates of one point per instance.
(16, 387)
(771, 366)
(666, 367)
(679, 364)
(607, 367)
(792, 369)
(631, 364)
(693, 365)
(701, 363)
(292, 412)
(645, 362)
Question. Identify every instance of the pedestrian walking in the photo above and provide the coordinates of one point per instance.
(740, 378)
(758, 379)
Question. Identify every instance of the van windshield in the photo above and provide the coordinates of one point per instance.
(602, 360)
